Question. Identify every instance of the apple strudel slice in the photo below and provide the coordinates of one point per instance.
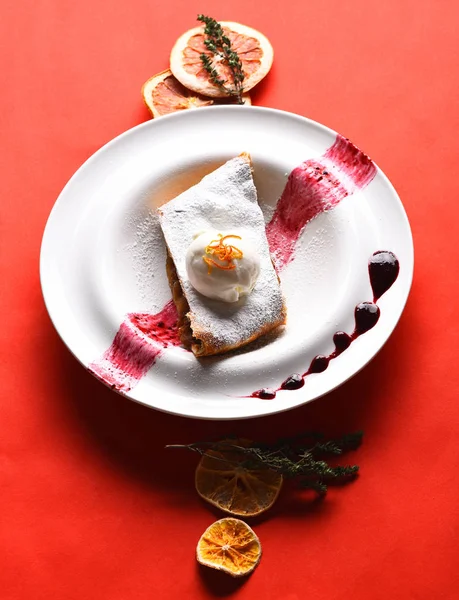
(220, 271)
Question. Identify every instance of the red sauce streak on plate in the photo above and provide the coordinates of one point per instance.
(351, 161)
(317, 185)
(138, 343)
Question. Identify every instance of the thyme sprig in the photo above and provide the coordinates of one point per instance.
(220, 46)
(300, 458)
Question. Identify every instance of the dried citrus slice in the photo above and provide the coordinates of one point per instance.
(253, 48)
(229, 545)
(223, 479)
(163, 94)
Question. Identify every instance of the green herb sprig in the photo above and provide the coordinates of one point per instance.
(220, 46)
(300, 458)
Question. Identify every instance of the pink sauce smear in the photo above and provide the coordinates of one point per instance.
(315, 186)
(139, 341)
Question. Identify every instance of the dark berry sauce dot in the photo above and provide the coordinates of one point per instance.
(265, 394)
(294, 382)
(383, 268)
(342, 341)
(366, 317)
(318, 364)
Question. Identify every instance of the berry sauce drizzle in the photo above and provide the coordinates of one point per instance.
(383, 268)
(315, 186)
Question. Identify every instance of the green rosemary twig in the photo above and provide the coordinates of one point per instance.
(220, 46)
(294, 458)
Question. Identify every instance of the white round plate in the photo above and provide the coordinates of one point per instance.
(103, 257)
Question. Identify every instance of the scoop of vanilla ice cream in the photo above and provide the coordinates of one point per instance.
(222, 284)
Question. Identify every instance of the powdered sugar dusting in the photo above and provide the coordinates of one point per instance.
(226, 199)
(148, 256)
(267, 210)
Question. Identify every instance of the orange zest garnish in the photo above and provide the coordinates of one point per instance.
(211, 263)
(224, 252)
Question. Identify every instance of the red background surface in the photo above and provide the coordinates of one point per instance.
(91, 505)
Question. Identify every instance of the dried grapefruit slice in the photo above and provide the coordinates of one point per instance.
(253, 48)
(223, 479)
(163, 95)
(229, 545)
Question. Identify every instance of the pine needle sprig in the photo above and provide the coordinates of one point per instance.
(294, 458)
(220, 46)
